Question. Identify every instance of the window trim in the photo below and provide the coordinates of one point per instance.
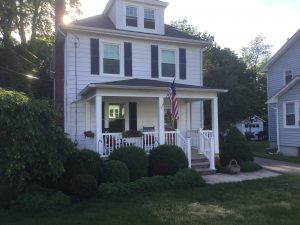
(297, 116)
(176, 50)
(285, 75)
(121, 58)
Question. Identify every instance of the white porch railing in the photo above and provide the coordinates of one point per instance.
(203, 141)
(149, 140)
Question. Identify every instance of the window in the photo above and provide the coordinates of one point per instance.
(290, 114)
(131, 16)
(168, 63)
(149, 18)
(116, 117)
(288, 76)
(111, 59)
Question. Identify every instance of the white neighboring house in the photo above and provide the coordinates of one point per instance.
(118, 67)
(255, 125)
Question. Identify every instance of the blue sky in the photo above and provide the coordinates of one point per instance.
(234, 23)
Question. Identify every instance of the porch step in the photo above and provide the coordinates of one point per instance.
(200, 164)
(205, 171)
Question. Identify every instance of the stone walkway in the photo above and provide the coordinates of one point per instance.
(227, 178)
(279, 166)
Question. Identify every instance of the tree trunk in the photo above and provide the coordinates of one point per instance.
(20, 22)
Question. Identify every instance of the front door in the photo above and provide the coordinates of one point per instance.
(116, 117)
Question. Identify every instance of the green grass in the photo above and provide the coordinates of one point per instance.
(259, 149)
(273, 201)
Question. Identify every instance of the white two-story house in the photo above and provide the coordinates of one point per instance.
(283, 71)
(118, 68)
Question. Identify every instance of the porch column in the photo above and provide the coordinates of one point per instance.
(98, 106)
(161, 121)
(215, 122)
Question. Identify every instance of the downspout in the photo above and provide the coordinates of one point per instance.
(76, 46)
(277, 129)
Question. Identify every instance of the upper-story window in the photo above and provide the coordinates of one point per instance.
(111, 59)
(131, 16)
(168, 65)
(149, 18)
(288, 76)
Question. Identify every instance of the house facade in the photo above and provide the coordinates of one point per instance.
(283, 71)
(118, 68)
(254, 125)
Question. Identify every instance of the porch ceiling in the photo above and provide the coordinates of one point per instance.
(150, 88)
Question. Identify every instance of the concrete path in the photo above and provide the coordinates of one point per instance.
(227, 178)
(279, 166)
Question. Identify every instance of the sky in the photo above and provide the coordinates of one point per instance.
(233, 23)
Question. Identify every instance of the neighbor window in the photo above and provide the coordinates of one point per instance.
(288, 76)
(290, 114)
(131, 16)
(111, 59)
(168, 63)
(149, 18)
(116, 117)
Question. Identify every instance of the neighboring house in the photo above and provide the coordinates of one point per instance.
(118, 67)
(255, 125)
(283, 71)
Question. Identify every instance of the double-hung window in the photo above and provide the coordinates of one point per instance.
(288, 76)
(149, 18)
(131, 16)
(168, 65)
(111, 59)
(290, 114)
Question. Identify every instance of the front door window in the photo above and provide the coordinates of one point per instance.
(116, 116)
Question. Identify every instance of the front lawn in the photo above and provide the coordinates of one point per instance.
(259, 149)
(270, 201)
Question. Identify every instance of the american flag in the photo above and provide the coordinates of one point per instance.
(173, 99)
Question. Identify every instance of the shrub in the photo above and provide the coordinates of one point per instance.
(83, 186)
(81, 162)
(235, 147)
(135, 158)
(249, 135)
(167, 160)
(37, 201)
(115, 171)
(7, 194)
(32, 147)
(249, 166)
(183, 179)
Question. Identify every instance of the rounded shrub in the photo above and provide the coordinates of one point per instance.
(115, 171)
(249, 166)
(235, 147)
(135, 158)
(83, 186)
(167, 160)
(81, 162)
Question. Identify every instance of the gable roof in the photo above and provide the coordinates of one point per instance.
(149, 84)
(103, 21)
(281, 51)
(274, 98)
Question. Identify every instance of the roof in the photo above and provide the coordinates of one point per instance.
(103, 21)
(281, 51)
(150, 84)
(255, 116)
(274, 98)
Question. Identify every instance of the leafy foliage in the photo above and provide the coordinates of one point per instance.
(167, 160)
(249, 166)
(83, 186)
(33, 148)
(183, 179)
(235, 147)
(115, 171)
(135, 158)
(7, 194)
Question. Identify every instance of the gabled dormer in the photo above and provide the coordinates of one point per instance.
(145, 16)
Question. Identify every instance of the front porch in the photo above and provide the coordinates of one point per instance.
(112, 109)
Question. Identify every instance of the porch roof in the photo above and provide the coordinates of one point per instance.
(147, 84)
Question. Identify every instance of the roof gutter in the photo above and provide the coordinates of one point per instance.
(142, 36)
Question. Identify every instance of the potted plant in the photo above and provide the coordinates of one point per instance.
(132, 133)
(89, 134)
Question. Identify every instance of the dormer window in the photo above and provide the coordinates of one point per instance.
(131, 16)
(149, 18)
(288, 76)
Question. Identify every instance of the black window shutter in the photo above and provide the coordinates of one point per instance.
(128, 59)
(103, 116)
(182, 63)
(132, 116)
(95, 56)
(154, 61)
